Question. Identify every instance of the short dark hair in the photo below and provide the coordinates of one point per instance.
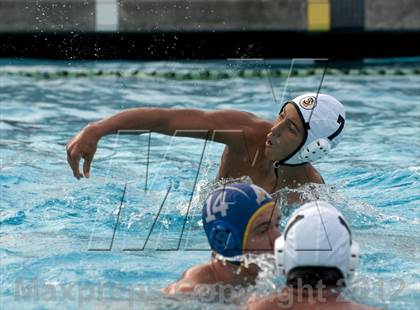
(330, 276)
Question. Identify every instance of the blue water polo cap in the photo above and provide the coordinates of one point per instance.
(228, 214)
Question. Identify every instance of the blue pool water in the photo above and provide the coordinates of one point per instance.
(55, 230)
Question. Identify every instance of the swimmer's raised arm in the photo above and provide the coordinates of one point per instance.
(214, 125)
(169, 121)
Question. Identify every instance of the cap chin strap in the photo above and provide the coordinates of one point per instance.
(306, 127)
(276, 165)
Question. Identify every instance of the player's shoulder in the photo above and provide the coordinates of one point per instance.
(307, 174)
(270, 302)
(180, 286)
(199, 274)
(347, 305)
(355, 306)
(314, 175)
(245, 117)
(190, 279)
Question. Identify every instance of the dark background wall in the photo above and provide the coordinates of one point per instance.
(208, 15)
(209, 28)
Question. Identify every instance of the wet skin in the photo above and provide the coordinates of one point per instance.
(252, 143)
(264, 231)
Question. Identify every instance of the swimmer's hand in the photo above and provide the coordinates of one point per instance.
(83, 145)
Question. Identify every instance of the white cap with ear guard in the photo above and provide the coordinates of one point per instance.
(317, 235)
(323, 118)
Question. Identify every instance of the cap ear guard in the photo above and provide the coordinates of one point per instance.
(279, 254)
(224, 241)
(354, 259)
(315, 150)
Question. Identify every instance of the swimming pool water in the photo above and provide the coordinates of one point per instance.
(55, 230)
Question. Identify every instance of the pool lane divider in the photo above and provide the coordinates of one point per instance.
(211, 74)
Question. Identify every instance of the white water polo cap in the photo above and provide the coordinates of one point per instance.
(323, 120)
(317, 235)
